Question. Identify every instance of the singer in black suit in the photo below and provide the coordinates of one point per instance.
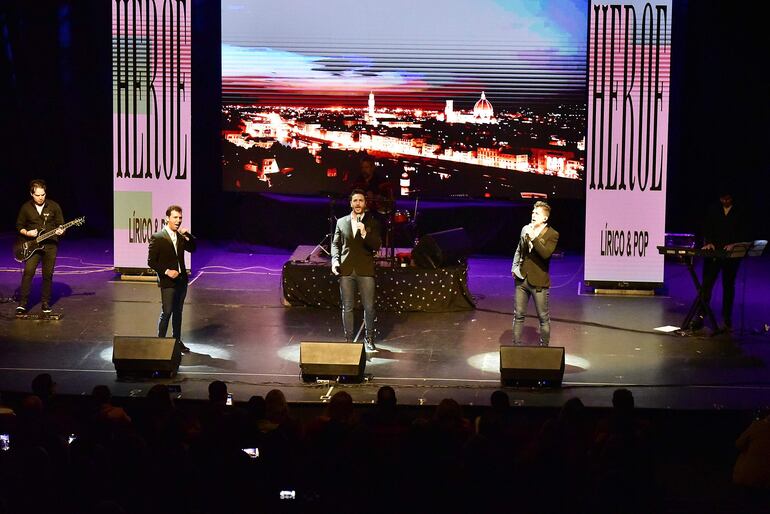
(356, 241)
(166, 257)
(530, 271)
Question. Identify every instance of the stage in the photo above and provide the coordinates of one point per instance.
(240, 331)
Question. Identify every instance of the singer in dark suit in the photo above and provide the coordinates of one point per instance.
(530, 271)
(356, 241)
(166, 257)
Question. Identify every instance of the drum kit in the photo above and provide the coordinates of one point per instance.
(400, 225)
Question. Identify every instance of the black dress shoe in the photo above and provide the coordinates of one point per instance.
(47, 308)
(21, 310)
(185, 349)
(369, 344)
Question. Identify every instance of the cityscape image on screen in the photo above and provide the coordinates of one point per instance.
(449, 99)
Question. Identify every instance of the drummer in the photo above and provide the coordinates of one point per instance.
(379, 192)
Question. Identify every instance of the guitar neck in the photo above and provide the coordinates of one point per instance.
(52, 233)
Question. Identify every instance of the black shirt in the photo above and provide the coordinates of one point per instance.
(721, 229)
(49, 219)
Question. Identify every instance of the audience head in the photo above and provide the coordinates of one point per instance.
(276, 407)
(448, 413)
(341, 407)
(623, 400)
(500, 400)
(218, 392)
(43, 386)
(386, 397)
(101, 394)
(572, 409)
(257, 407)
(159, 399)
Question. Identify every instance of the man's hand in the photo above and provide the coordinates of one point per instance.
(31, 233)
(708, 246)
(59, 231)
(172, 273)
(361, 229)
(182, 231)
(529, 231)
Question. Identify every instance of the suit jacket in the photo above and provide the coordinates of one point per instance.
(50, 218)
(356, 253)
(533, 265)
(162, 256)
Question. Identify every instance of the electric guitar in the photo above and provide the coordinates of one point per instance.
(23, 250)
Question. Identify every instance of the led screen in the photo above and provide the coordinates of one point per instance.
(459, 98)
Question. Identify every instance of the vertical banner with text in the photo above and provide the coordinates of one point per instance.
(629, 63)
(151, 107)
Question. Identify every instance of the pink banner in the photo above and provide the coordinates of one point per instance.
(151, 125)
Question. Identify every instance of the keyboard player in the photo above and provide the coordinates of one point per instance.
(725, 225)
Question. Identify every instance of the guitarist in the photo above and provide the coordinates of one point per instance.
(35, 217)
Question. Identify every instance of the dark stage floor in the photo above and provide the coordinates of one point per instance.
(240, 332)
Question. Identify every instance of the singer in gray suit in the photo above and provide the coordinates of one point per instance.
(356, 241)
(530, 271)
(166, 257)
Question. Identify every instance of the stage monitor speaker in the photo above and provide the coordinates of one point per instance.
(331, 360)
(532, 365)
(441, 248)
(146, 356)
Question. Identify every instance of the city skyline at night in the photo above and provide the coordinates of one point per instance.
(486, 93)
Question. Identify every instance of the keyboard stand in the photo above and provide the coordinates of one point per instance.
(699, 304)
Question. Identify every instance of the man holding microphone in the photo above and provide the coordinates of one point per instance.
(166, 257)
(356, 241)
(530, 271)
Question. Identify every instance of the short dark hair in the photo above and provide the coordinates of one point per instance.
(357, 191)
(542, 205)
(217, 391)
(386, 396)
(101, 394)
(37, 183)
(42, 385)
(172, 208)
(367, 158)
(623, 399)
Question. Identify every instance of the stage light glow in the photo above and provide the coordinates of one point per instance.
(196, 349)
(490, 361)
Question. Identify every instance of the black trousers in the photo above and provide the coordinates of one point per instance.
(172, 303)
(48, 257)
(729, 269)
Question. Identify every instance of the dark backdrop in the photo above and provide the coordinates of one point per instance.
(55, 123)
